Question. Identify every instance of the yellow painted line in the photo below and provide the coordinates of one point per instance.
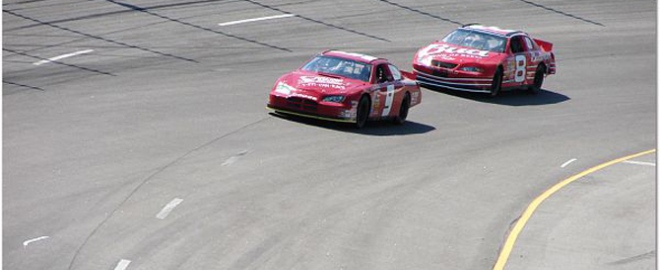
(513, 235)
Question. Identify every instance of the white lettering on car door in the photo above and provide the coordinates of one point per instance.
(389, 98)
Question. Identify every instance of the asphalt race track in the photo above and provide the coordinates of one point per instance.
(135, 136)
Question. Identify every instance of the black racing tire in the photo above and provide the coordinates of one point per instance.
(403, 110)
(535, 88)
(363, 110)
(497, 82)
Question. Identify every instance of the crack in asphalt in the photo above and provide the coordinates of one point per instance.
(23, 85)
(96, 15)
(421, 12)
(97, 37)
(146, 11)
(648, 255)
(58, 62)
(317, 21)
(562, 13)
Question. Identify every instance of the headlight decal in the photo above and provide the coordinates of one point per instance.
(472, 69)
(284, 88)
(335, 99)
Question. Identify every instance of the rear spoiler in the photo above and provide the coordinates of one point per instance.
(545, 46)
(408, 75)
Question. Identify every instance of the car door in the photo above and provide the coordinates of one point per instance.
(519, 61)
(387, 97)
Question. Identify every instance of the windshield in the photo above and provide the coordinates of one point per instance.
(476, 40)
(339, 66)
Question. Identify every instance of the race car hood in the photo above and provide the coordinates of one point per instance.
(317, 85)
(449, 53)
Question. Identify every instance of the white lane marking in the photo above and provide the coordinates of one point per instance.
(234, 158)
(34, 240)
(61, 57)
(568, 162)
(229, 161)
(122, 265)
(639, 163)
(258, 19)
(168, 208)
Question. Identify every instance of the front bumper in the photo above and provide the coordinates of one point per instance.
(337, 112)
(452, 79)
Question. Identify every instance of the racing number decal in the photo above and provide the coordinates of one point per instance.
(521, 68)
(389, 98)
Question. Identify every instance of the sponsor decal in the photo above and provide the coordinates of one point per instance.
(447, 57)
(449, 51)
(317, 81)
(512, 67)
(414, 98)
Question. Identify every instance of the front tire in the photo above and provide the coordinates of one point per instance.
(363, 111)
(497, 82)
(403, 110)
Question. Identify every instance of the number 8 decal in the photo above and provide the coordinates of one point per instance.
(521, 67)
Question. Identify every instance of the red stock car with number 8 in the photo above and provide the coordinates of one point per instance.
(346, 87)
(477, 58)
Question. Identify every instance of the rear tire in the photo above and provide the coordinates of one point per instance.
(363, 111)
(535, 88)
(403, 110)
(497, 83)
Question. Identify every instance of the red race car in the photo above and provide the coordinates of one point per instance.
(346, 87)
(477, 58)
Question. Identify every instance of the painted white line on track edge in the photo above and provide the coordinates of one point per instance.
(639, 163)
(168, 208)
(34, 240)
(122, 265)
(568, 162)
(61, 57)
(257, 19)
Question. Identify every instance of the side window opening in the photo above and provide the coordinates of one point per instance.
(382, 74)
(516, 45)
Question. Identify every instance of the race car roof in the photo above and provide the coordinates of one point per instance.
(353, 56)
(492, 29)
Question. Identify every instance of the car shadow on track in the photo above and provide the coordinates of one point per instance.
(373, 128)
(510, 98)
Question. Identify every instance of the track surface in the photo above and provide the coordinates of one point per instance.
(168, 107)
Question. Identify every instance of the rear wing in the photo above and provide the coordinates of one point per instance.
(408, 75)
(545, 46)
